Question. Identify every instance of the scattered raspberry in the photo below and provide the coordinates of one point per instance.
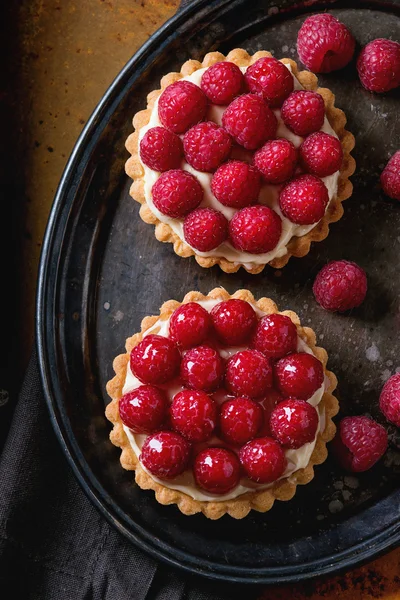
(298, 375)
(321, 154)
(240, 420)
(255, 229)
(303, 112)
(205, 229)
(294, 423)
(248, 373)
(236, 184)
(234, 321)
(275, 336)
(389, 400)
(390, 177)
(165, 454)
(303, 200)
(206, 146)
(160, 149)
(270, 79)
(324, 44)
(359, 443)
(378, 65)
(202, 369)
(189, 325)
(263, 460)
(222, 82)
(144, 409)
(176, 193)
(276, 160)
(250, 121)
(181, 105)
(155, 359)
(340, 286)
(216, 470)
(193, 415)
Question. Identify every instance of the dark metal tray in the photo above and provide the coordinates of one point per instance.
(102, 271)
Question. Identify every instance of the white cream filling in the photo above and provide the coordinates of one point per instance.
(269, 194)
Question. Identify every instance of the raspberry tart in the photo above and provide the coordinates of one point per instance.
(222, 404)
(241, 161)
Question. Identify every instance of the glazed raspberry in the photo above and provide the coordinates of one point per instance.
(236, 184)
(303, 200)
(155, 359)
(378, 65)
(248, 373)
(222, 82)
(144, 409)
(303, 112)
(324, 44)
(176, 193)
(294, 423)
(275, 336)
(321, 154)
(193, 415)
(181, 105)
(359, 443)
(206, 146)
(250, 121)
(202, 369)
(270, 79)
(255, 229)
(234, 321)
(263, 460)
(165, 454)
(298, 375)
(340, 286)
(240, 420)
(276, 161)
(268, 404)
(390, 177)
(160, 149)
(216, 470)
(190, 325)
(205, 229)
(389, 400)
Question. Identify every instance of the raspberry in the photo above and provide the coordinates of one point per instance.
(303, 112)
(155, 359)
(255, 229)
(240, 420)
(216, 470)
(202, 369)
(193, 415)
(250, 121)
(160, 149)
(321, 154)
(299, 375)
(234, 321)
(248, 373)
(324, 44)
(270, 79)
(275, 336)
(181, 105)
(206, 146)
(294, 423)
(222, 82)
(263, 460)
(276, 160)
(236, 184)
(268, 404)
(359, 443)
(390, 177)
(189, 325)
(205, 229)
(340, 285)
(165, 454)
(378, 65)
(303, 200)
(389, 400)
(144, 409)
(176, 193)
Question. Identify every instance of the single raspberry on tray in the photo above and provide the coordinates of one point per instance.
(255, 229)
(321, 154)
(294, 423)
(161, 149)
(303, 200)
(303, 112)
(359, 443)
(165, 454)
(206, 146)
(270, 79)
(250, 121)
(144, 409)
(340, 286)
(248, 373)
(240, 420)
(275, 336)
(298, 375)
(205, 229)
(222, 82)
(276, 161)
(236, 184)
(189, 325)
(389, 400)
(234, 321)
(216, 470)
(378, 65)
(390, 177)
(155, 359)
(202, 368)
(193, 415)
(176, 193)
(181, 105)
(263, 460)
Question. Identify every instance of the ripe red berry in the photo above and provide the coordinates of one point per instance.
(222, 82)
(270, 79)
(205, 229)
(250, 121)
(240, 420)
(390, 177)
(303, 112)
(268, 403)
(206, 146)
(160, 149)
(248, 373)
(275, 336)
(193, 415)
(202, 368)
(298, 375)
(155, 359)
(378, 65)
(189, 325)
(359, 443)
(389, 400)
(340, 285)
(304, 199)
(294, 423)
(276, 161)
(255, 229)
(263, 460)
(144, 409)
(216, 470)
(181, 105)
(165, 454)
(321, 154)
(234, 321)
(236, 184)
(176, 193)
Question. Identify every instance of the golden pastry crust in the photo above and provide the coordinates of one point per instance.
(297, 246)
(259, 500)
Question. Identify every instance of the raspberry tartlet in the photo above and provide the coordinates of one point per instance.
(218, 146)
(222, 404)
